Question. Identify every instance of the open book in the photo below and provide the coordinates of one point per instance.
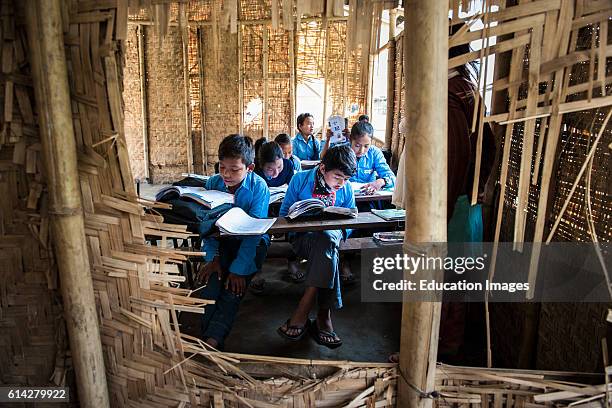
(208, 198)
(314, 207)
(277, 193)
(237, 222)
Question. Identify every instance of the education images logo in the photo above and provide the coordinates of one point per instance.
(474, 266)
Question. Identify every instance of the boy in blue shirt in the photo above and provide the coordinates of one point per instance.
(305, 145)
(231, 262)
(284, 141)
(329, 183)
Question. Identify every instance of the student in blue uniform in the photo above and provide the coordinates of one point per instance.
(271, 165)
(305, 145)
(372, 168)
(284, 141)
(328, 182)
(231, 262)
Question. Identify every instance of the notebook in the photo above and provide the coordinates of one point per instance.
(392, 214)
(336, 125)
(314, 207)
(208, 198)
(237, 222)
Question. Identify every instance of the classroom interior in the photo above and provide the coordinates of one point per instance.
(106, 103)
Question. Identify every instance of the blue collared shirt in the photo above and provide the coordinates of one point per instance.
(295, 161)
(253, 197)
(372, 166)
(302, 187)
(306, 150)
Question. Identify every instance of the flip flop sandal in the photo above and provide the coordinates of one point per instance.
(302, 330)
(319, 336)
(257, 286)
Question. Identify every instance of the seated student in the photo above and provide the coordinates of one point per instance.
(328, 182)
(305, 145)
(372, 168)
(284, 141)
(271, 165)
(231, 262)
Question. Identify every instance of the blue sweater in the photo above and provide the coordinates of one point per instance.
(372, 166)
(306, 150)
(302, 187)
(253, 197)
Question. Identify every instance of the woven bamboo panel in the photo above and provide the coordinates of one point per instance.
(166, 107)
(254, 9)
(133, 105)
(252, 51)
(220, 92)
(33, 342)
(279, 74)
(336, 53)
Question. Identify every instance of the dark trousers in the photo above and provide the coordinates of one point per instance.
(219, 317)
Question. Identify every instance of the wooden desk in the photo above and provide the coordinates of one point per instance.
(363, 220)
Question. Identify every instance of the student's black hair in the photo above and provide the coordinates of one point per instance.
(361, 128)
(302, 117)
(470, 70)
(269, 152)
(258, 143)
(282, 139)
(237, 147)
(364, 117)
(342, 158)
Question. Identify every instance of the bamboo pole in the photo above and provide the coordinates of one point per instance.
(204, 140)
(325, 75)
(266, 105)
(187, 98)
(426, 79)
(50, 75)
(143, 100)
(292, 90)
(390, 79)
(240, 80)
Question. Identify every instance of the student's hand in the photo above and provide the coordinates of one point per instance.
(373, 187)
(235, 284)
(207, 270)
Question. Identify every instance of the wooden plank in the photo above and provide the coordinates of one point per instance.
(8, 101)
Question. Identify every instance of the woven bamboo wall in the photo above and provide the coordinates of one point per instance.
(220, 92)
(133, 106)
(165, 105)
(33, 342)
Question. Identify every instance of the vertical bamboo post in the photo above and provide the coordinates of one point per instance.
(184, 27)
(266, 105)
(240, 79)
(292, 89)
(325, 26)
(390, 79)
(426, 79)
(204, 142)
(50, 75)
(143, 98)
